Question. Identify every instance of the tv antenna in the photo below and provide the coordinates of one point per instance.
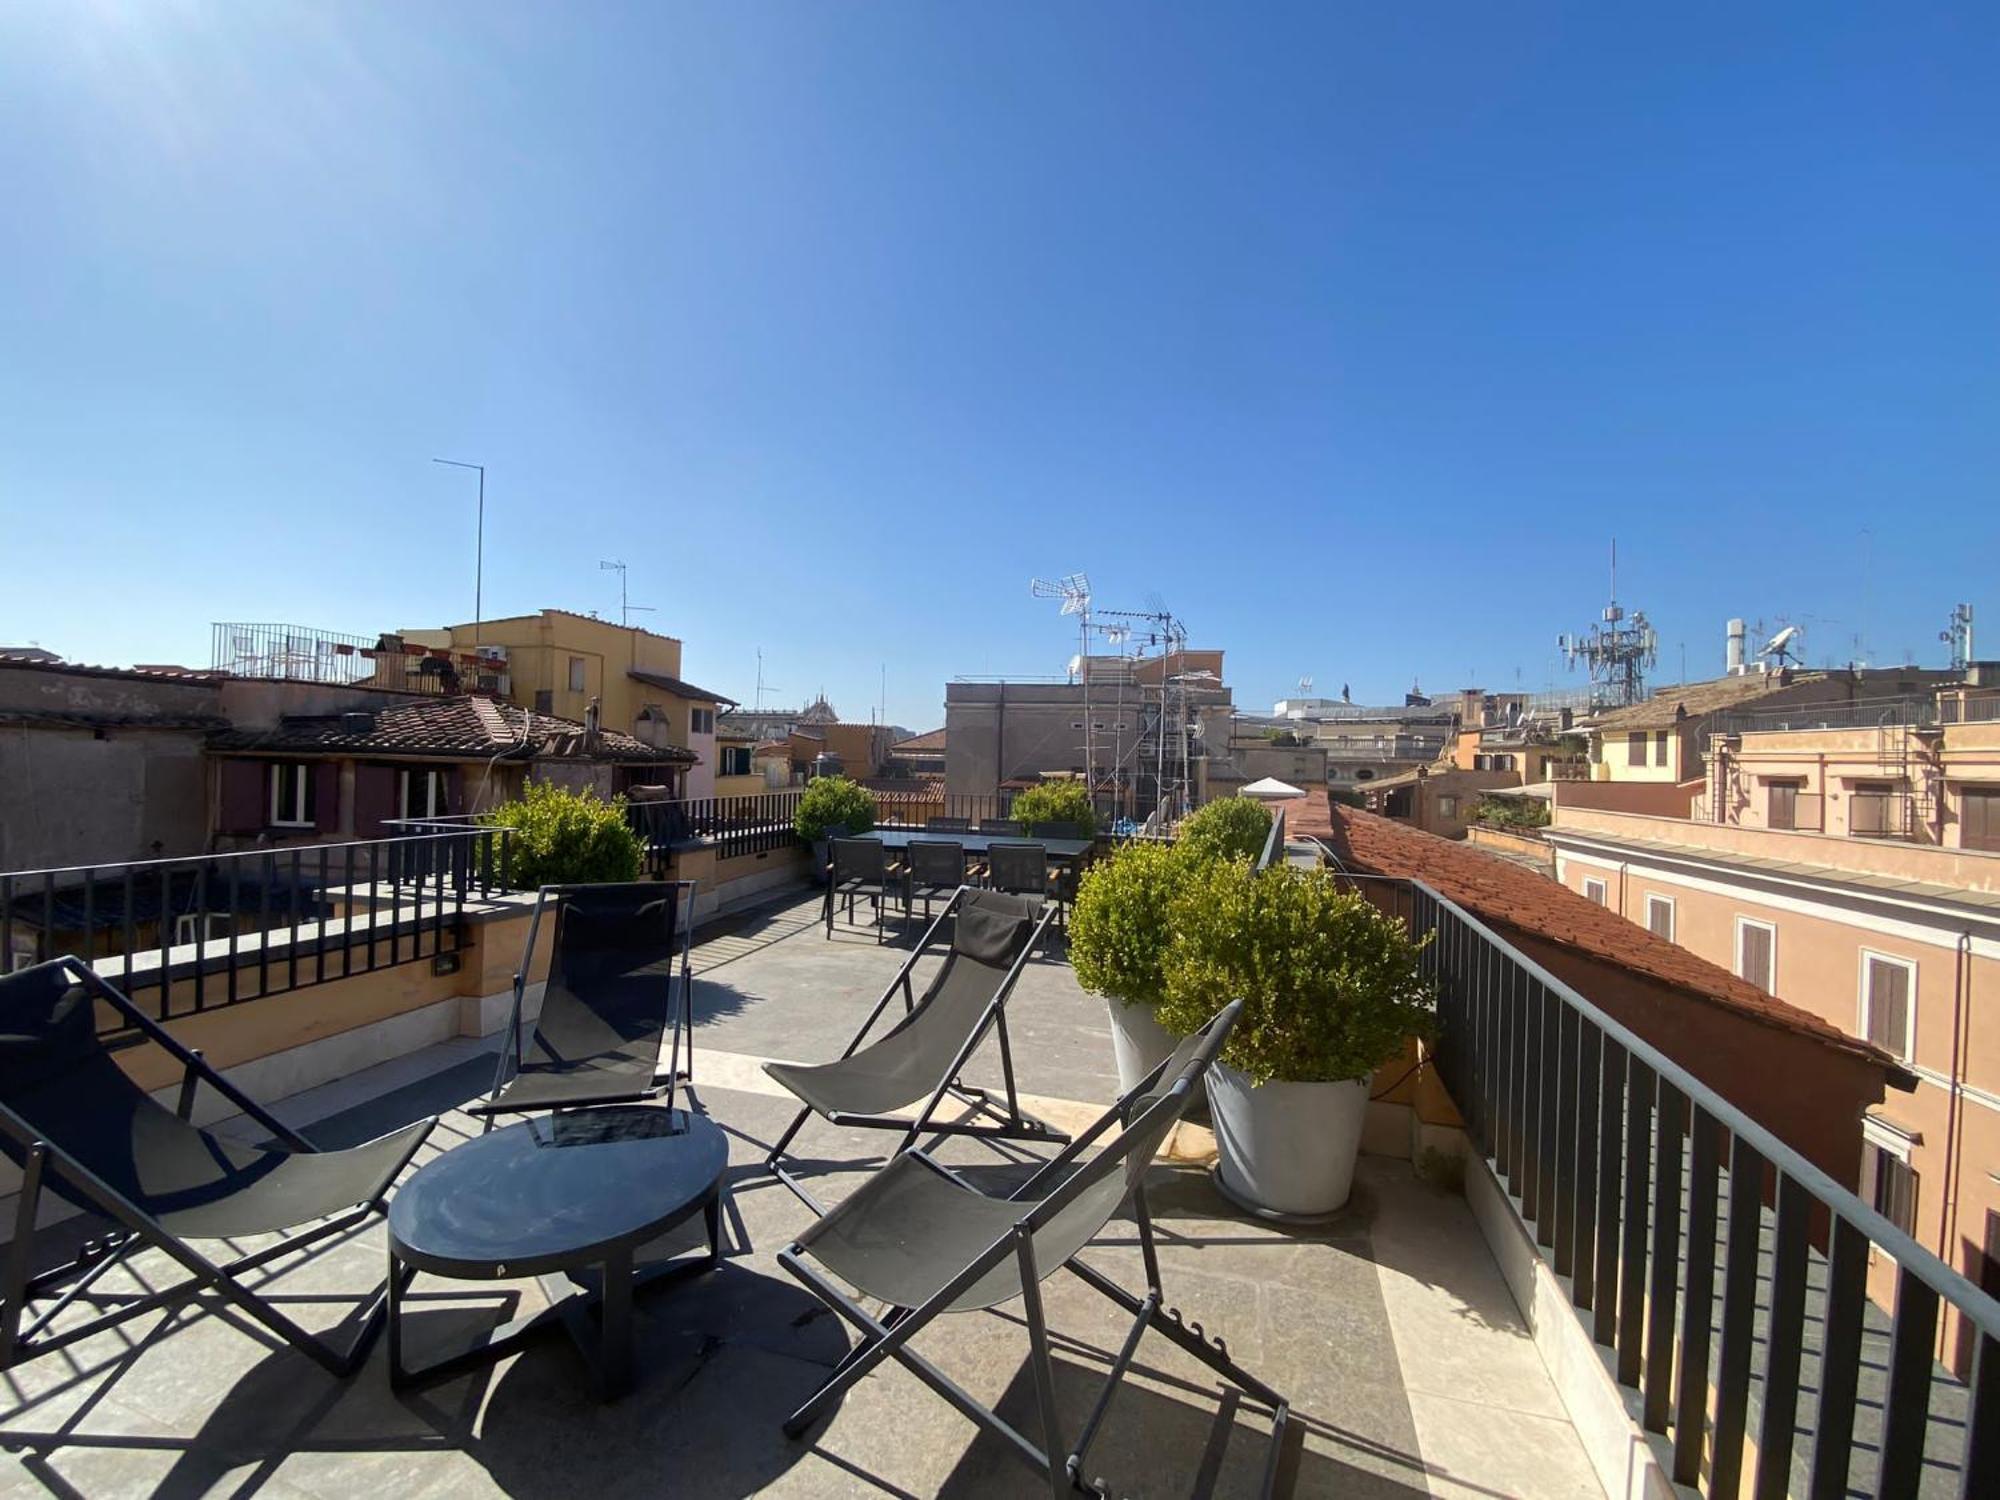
(1305, 687)
(763, 687)
(1073, 589)
(625, 608)
(1958, 635)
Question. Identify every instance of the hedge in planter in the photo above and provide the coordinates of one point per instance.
(1228, 828)
(1118, 936)
(568, 838)
(1055, 802)
(1118, 927)
(1331, 985)
(833, 804)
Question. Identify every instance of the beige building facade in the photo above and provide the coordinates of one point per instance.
(1789, 882)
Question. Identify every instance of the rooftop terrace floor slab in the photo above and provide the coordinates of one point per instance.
(1390, 1329)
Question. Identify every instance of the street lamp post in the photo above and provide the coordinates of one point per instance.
(478, 547)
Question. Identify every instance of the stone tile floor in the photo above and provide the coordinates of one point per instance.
(1408, 1366)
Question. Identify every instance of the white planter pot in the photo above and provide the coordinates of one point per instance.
(1139, 1042)
(1286, 1148)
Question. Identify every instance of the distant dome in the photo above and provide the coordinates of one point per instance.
(819, 711)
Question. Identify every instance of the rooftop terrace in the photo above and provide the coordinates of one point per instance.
(1392, 1329)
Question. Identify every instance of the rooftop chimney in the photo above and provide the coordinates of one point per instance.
(1733, 652)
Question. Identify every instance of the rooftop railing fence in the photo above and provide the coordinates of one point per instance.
(191, 935)
(1724, 1276)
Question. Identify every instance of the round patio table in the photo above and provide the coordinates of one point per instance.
(567, 1198)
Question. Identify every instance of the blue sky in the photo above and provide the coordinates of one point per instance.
(1351, 332)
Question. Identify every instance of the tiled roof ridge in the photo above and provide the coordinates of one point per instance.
(1501, 891)
(146, 674)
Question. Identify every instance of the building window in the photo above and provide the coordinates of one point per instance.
(1635, 747)
(1887, 985)
(1595, 890)
(1757, 953)
(1447, 807)
(1660, 757)
(1870, 810)
(421, 794)
(701, 721)
(1890, 1186)
(545, 700)
(735, 760)
(578, 674)
(1979, 818)
(1660, 916)
(291, 795)
(1781, 803)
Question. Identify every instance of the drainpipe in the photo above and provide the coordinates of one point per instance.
(1954, 1131)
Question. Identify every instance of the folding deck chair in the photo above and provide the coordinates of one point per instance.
(920, 1057)
(607, 1006)
(80, 1127)
(922, 1240)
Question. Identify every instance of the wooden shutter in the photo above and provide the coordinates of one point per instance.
(1979, 818)
(245, 798)
(374, 800)
(1889, 1006)
(325, 794)
(454, 789)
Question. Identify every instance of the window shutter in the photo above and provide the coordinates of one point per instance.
(374, 800)
(244, 798)
(325, 777)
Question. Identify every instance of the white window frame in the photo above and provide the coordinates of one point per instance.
(302, 801)
(1770, 928)
(436, 803)
(1654, 898)
(1602, 895)
(1881, 1140)
(1864, 1000)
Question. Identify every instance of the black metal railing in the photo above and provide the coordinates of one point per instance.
(1725, 1275)
(184, 936)
(749, 824)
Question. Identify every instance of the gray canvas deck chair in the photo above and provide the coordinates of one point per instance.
(608, 1005)
(920, 1239)
(80, 1127)
(920, 1057)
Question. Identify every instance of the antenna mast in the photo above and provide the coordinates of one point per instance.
(1074, 591)
(1616, 651)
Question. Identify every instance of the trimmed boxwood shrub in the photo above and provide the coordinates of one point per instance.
(1055, 802)
(1119, 927)
(833, 804)
(1331, 985)
(563, 837)
(1228, 828)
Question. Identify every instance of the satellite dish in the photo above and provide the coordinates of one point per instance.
(1780, 644)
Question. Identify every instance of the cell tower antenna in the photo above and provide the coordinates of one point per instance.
(1305, 687)
(1958, 635)
(1074, 591)
(1617, 651)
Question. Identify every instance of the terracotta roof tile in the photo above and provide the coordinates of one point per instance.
(679, 687)
(465, 725)
(148, 674)
(930, 740)
(1698, 698)
(1500, 891)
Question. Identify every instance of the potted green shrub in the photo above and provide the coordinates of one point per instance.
(830, 807)
(563, 837)
(1055, 802)
(1332, 989)
(1119, 927)
(1228, 828)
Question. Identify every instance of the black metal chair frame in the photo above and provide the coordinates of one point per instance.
(914, 887)
(677, 1019)
(1012, 1123)
(888, 1336)
(137, 1229)
(879, 891)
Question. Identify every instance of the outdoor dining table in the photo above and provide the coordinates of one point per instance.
(980, 843)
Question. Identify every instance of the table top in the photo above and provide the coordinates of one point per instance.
(556, 1191)
(979, 843)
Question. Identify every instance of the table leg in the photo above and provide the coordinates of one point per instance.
(395, 1316)
(614, 1327)
(712, 1215)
